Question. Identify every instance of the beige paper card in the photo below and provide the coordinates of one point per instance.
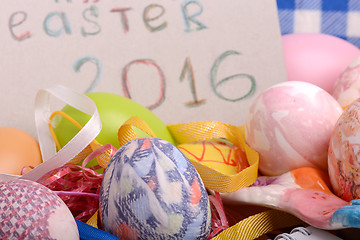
(187, 60)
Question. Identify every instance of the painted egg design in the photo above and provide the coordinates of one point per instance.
(344, 154)
(150, 190)
(29, 210)
(347, 86)
(217, 154)
(290, 125)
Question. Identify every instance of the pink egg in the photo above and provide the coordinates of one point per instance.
(347, 86)
(317, 58)
(344, 154)
(290, 125)
(29, 210)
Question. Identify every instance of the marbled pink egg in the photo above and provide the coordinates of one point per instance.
(344, 154)
(347, 86)
(29, 210)
(290, 125)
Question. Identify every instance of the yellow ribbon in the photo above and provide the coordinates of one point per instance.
(212, 178)
(93, 221)
(259, 224)
(126, 132)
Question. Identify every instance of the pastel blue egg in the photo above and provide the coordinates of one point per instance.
(150, 190)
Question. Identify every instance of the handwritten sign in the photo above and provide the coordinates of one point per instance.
(186, 60)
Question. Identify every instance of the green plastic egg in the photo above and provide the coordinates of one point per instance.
(114, 110)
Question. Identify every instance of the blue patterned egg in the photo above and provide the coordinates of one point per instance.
(150, 190)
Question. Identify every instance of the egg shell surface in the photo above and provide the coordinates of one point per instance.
(150, 190)
(29, 210)
(216, 154)
(344, 158)
(317, 58)
(18, 149)
(114, 110)
(347, 86)
(290, 125)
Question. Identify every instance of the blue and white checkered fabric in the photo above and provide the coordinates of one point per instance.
(340, 18)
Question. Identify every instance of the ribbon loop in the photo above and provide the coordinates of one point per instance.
(212, 178)
(51, 158)
(127, 133)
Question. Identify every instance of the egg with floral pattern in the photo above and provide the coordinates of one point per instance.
(150, 190)
(290, 125)
(344, 154)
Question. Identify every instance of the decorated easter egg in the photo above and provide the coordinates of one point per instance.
(216, 154)
(18, 150)
(344, 159)
(114, 110)
(290, 125)
(28, 210)
(347, 86)
(150, 190)
(317, 58)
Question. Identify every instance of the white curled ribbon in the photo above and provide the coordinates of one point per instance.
(51, 158)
